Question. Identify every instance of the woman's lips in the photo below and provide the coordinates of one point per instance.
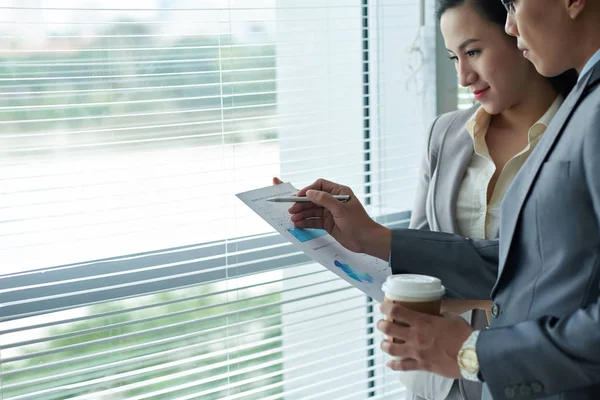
(480, 93)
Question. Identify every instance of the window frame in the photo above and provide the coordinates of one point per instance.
(256, 253)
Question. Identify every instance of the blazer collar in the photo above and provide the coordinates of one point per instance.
(521, 186)
(455, 154)
(594, 78)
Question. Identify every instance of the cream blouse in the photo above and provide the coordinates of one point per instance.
(476, 218)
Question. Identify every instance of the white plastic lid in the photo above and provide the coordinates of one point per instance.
(413, 286)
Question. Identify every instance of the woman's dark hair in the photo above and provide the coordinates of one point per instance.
(494, 11)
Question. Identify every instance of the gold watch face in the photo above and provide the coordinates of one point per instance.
(468, 361)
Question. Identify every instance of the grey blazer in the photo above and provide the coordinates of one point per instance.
(449, 149)
(544, 277)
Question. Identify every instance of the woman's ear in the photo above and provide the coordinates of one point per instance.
(575, 7)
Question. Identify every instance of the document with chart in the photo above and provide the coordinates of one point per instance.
(362, 271)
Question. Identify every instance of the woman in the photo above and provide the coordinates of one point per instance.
(473, 155)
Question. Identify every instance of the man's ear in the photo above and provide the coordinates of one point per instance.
(575, 7)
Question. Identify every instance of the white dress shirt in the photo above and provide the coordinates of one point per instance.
(476, 218)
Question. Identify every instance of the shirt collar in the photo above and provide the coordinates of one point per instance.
(550, 112)
(591, 62)
(478, 124)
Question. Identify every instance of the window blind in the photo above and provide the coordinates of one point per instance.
(465, 98)
(129, 268)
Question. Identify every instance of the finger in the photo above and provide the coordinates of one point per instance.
(316, 185)
(402, 314)
(315, 212)
(316, 223)
(326, 186)
(299, 207)
(395, 349)
(277, 181)
(406, 364)
(394, 330)
(325, 200)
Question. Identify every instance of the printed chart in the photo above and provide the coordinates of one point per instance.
(357, 275)
(304, 235)
(362, 271)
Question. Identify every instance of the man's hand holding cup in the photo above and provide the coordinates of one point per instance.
(418, 338)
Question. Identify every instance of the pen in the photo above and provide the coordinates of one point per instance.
(297, 199)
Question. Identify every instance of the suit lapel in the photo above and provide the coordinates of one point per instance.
(521, 186)
(456, 153)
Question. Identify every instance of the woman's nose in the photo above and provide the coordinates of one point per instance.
(466, 76)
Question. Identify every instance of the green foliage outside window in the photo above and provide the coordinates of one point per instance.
(128, 86)
(182, 342)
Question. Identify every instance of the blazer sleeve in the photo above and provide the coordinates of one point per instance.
(418, 218)
(558, 354)
(468, 268)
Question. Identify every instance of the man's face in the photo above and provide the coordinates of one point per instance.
(541, 28)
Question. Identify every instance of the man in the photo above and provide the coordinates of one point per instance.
(544, 279)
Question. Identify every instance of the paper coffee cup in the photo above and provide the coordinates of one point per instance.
(420, 293)
(411, 288)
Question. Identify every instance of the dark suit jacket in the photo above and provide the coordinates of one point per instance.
(544, 277)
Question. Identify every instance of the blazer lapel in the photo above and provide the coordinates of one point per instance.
(456, 153)
(520, 188)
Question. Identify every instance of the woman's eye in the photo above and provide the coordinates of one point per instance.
(453, 58)
(472, 53)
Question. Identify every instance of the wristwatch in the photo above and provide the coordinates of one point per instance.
(467, 358)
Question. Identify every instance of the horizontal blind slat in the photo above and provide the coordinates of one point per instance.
(187, 348)
(184, 312)
(229, 386)
(256, 366)
(160, 304)
(157, 329)
(79, 176)
(233, 360)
